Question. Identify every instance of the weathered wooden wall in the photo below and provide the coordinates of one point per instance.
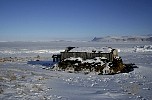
(86, 55)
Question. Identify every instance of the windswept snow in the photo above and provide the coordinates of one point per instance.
(21, 80)
(145, 48)
(26, 51)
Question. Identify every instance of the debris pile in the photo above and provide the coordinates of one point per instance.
(99, 65)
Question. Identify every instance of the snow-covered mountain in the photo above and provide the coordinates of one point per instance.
(123, 39)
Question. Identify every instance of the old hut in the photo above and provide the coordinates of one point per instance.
(87, 53)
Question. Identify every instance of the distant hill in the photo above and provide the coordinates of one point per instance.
(123, 39)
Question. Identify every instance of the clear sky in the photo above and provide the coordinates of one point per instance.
(49, 19)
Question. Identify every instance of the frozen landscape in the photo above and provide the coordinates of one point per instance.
(25, 73)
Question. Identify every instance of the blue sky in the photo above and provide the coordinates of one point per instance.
(69, 19)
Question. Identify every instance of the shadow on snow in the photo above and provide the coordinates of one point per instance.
(43, 63)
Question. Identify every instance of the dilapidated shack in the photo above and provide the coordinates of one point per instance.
(89, 59)
(87, 53)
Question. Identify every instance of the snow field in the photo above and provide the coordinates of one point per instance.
(23, 81)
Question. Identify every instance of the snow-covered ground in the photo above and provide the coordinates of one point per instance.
(28, 80)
